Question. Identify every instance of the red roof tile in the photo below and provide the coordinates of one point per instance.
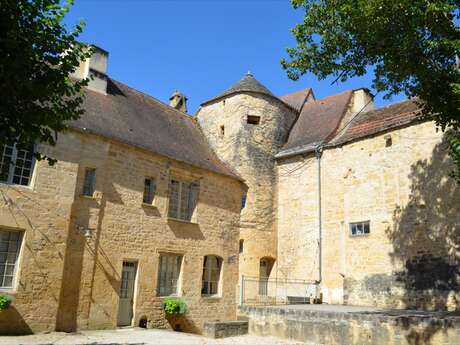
(379, 120)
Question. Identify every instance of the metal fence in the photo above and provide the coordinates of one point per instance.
(260, 291)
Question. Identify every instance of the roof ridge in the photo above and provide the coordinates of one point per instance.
(156, 100)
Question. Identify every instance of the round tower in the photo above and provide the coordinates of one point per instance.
(246, 125)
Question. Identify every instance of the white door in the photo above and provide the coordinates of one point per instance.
(125, 307)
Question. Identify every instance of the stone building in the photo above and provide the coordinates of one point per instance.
(354, 199)
(137, 208)
(147, 202)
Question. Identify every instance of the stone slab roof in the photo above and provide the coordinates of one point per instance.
(134, 118)
(317, 121)
(247, 84)
(380, 120)
(297, 99)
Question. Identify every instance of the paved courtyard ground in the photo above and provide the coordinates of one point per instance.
(137, 336)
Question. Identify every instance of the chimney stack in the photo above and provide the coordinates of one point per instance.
(94, 68)
(179, 101)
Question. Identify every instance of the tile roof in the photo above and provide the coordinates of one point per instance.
(379, 120)
(297, 99)
(134, 118)
(317, 121)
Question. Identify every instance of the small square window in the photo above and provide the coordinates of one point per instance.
(149, 191)
(253, 120)
(89, 183)
(359, 229)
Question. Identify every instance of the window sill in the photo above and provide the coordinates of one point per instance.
(83, 196)
(181, 221)
(360, 235)
(211, 297)
(9, 185)
(8, 291)
(148, 205)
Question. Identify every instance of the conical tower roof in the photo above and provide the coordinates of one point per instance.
(247, 84)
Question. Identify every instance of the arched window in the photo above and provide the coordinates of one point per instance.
(211, 275)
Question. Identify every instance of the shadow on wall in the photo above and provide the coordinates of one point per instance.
(12, 316)
(426, 242)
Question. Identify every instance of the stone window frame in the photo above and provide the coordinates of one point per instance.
(152, 191)
(210, 276)
(253, 119)
(180, 257)
(7, 254)
(364, 224)
(13, 175)
(176, 208)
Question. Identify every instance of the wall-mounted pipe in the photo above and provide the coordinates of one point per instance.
(319, 153)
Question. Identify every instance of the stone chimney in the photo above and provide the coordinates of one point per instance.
(179, 101)
(94, 68)
(363, 101)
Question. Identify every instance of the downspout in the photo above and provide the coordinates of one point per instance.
(319, 153)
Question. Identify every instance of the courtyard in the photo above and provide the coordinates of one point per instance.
(137, 336)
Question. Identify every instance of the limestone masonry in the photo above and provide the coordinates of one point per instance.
(147, 202)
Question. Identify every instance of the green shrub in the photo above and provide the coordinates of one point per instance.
(174, 306)
(5, 302)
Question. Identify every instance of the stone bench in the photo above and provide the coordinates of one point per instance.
(223, 329)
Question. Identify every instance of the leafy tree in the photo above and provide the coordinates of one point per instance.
(37, 55)
(411, 45)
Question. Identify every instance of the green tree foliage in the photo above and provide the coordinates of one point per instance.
(37, 55)
(411, 45)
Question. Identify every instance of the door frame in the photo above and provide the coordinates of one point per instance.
(136, 278)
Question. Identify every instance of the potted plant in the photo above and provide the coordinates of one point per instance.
(5, 302)
(174, 309)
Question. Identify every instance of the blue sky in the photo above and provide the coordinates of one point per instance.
(198, 47)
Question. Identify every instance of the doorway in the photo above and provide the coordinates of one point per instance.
(265, 268)
(126, 303)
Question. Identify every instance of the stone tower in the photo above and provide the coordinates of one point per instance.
(246, 125)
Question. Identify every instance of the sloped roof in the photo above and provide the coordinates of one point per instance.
(134, 118)
(247, 84)
(317, 121)
(380, 120)
(297, 99)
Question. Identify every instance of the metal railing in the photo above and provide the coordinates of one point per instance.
(268, 291)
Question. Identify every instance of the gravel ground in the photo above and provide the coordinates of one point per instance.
(137, 336)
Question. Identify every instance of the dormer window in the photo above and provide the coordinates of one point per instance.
(253, 120)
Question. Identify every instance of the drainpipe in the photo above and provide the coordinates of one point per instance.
(319, 153)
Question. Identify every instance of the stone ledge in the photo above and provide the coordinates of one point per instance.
(224, 329)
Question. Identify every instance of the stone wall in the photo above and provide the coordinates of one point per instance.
(67, 282)
(344, 326)
(250, 150)
(411, 256)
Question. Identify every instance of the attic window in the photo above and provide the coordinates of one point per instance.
(253, 120)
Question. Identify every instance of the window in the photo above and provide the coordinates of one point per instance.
(16, 166)
(222, 130)
(90, 179)
(10, 243)
(253, 120)
(359, 229)
(388, 140)
(211, 275)
(183, 198)
(243, 201)
(150, 188)
(168, 274)
(241, 246)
